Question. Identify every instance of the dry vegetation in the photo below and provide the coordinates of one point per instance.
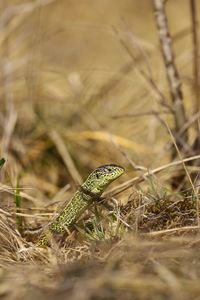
(83, 85)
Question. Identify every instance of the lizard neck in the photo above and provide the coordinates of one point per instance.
(85, 192)
(91, 187)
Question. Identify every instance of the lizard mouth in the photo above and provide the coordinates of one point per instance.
(118, 171)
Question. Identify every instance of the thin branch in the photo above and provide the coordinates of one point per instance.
(148, 78)
(171, 70)
(136, 115)
(136, 180)
(171, 230)
(196, 54)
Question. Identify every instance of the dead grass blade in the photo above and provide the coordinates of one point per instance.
(64, 153)
(128, 184)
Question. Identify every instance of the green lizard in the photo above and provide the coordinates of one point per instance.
(89, 191)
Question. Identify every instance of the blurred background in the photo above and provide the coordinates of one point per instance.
(82, 84)
(76, 89)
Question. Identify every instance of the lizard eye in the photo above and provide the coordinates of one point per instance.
(97, 175)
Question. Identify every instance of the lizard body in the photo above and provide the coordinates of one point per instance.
(90, 191)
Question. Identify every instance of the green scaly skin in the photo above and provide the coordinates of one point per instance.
(90, 190)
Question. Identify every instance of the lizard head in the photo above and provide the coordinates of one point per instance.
(101, 177)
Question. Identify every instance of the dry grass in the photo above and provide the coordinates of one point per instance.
(69, 102)
(144, 268)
